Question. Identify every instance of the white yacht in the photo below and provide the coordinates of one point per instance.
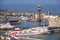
(30, 31)
(33, 31)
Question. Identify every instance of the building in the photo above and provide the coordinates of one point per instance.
(54, 21)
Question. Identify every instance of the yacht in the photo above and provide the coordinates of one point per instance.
(33, 31)
(30, 31)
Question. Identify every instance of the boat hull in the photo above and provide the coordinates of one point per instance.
(30, 35)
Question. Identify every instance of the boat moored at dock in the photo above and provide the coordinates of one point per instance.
(30, 31)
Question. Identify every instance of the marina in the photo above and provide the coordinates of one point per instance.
(27, 28)
(29, 20)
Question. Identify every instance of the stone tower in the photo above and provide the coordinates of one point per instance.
(39, 14)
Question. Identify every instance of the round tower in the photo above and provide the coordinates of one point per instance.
(39, 8)
(39, 14)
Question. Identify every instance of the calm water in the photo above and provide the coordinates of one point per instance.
(54, 36)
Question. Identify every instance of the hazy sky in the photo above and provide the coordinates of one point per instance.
(29, 1)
